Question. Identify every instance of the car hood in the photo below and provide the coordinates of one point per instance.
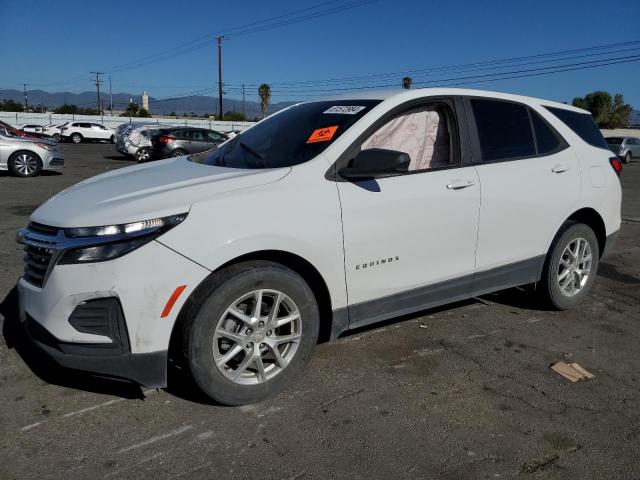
(151, 190)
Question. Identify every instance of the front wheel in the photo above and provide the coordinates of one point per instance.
(255, 329)
(112, 139)
(627, 158)
(56, 137)
(571, 266)
(25, 164)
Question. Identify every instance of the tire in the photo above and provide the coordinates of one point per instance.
(76, 138)
(25, 164)
(56, 137)
(177, 153)
(558, 261)
(237, 287)
(143, 155)
(627, 158)
(112, 139)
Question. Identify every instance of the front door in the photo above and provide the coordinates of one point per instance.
(410, 239)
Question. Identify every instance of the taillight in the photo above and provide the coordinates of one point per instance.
(62, 129)
(164, 139)
(616, 164)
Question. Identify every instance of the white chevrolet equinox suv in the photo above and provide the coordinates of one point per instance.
(324, 217)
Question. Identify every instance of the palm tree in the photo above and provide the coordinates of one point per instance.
(264, 92)
(406, 82)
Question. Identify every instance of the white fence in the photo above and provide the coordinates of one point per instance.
(18, 118)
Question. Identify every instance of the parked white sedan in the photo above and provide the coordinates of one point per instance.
(78, 132)
(326, 216)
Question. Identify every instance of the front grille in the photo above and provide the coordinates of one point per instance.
(43, 229)
(38, 256)
(37, 260)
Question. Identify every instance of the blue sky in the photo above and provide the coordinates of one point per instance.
(53, 46)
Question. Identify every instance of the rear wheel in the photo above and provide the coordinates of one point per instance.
(177, 153)
(25, 164)
(112, 139)
(143, 154)
(76, 138)
(571, 266)
(627, 158)
(255, 329)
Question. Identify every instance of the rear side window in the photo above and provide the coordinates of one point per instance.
(547, 139)
(582, 124)
(504, 129)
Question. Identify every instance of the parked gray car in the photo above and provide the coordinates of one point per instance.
(27, 157)
(174, 142)
(625, 147)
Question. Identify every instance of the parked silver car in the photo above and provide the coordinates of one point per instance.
(27, 157)
(135, 140)
(625, 147)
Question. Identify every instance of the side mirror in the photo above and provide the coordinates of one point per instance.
(376, 162)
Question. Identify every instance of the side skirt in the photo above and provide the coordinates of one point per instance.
(500, 278)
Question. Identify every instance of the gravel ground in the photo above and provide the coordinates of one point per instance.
(463, 391)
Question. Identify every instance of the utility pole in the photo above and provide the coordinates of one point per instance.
(24, 85)
(244, 113)
(98, 82)
(220, 76)
(110, 98)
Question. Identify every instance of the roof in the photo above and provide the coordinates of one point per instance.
(408, 94)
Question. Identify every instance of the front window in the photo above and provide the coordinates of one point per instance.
(290, 137)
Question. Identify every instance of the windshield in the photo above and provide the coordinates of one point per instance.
(288, 138)
(614, 140)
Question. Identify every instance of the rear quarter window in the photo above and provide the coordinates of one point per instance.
(582, 125)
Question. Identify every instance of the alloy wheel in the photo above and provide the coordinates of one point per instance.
(257, 337)
(25, 164)
(574, 267)
(142, 155)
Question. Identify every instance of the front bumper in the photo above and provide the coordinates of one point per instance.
(141, 281)
(146, 369)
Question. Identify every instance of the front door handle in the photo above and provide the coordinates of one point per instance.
(459, 184)
(559, 168)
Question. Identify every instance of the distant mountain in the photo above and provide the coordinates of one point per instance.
(198, 104)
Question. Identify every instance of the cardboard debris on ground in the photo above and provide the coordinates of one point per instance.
(571, 371)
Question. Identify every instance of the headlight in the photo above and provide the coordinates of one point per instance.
(51, 148)
(112, 241)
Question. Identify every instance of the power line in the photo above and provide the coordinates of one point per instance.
(203, 41)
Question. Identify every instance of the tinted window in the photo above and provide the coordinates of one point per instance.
(504, 129)
(196, 135)
(215, 137)
(614, 140)
(178, 133)
(582, 124)
(633, 141)
(547, 139)
(290, 137)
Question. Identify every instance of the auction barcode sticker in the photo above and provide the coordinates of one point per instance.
(345, 109)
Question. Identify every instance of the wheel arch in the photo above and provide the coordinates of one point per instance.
(594, 220)
(298, 264)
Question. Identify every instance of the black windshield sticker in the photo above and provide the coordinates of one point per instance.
(345, 109)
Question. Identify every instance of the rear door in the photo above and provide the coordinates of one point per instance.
(410, 239)
(530, 182)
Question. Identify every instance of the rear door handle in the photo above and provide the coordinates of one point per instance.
(459, 184)
(559, 168)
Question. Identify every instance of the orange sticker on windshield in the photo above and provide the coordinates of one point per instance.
(322, 134)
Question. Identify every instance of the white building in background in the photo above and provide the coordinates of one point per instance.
(145, 101)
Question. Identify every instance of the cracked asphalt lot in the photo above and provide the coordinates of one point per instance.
(463, 391)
